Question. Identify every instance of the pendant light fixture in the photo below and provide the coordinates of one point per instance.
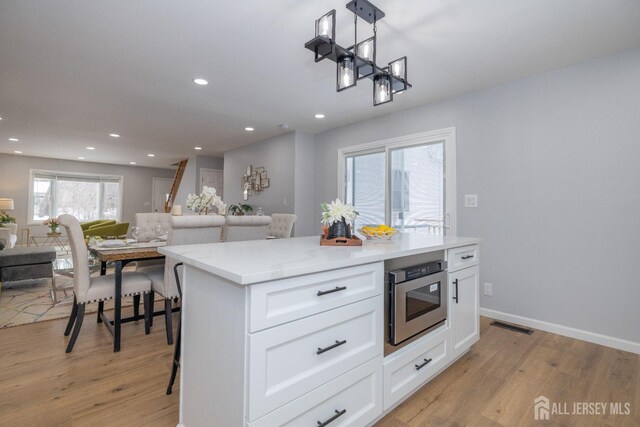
(358, 61)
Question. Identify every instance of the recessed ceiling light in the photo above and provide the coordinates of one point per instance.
(132, 163)
(114, 135)
(197, 148)
(201, 82)
(14, 139)
(91, 148)
(80, 158)
(151, 155)
(319, 116)
(249, 129)
(0, 118)
(18, 152)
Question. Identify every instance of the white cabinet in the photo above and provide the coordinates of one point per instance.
(281, 301)
(353, 399)
(464, 316)
(405, 370)
(293, 359)
(463, 257)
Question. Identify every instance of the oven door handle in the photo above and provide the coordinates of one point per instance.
(455, 282)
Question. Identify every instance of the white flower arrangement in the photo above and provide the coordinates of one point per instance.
(206, 201)
(334, 212)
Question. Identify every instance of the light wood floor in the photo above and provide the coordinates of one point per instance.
(493, 385)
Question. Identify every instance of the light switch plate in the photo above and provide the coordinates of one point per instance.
(470, 200)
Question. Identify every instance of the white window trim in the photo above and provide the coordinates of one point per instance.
(448, 135)
(32, 172)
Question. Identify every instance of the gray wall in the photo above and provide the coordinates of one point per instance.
(555, 160)
(14, 182)
(304, 182)
(276, 155)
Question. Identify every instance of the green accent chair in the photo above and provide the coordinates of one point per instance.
(109, 230)
(86, 225)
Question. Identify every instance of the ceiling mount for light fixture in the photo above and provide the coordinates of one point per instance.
(359, 60)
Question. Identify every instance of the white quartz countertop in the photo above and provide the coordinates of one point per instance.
(257, 261)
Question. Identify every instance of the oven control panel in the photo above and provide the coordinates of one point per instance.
(415, 272)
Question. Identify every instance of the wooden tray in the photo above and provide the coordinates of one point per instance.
(340, 241)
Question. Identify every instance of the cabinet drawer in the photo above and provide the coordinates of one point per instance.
(354, 399)
(282, 301)
(407, 370)
(290, 360)
(459, 258)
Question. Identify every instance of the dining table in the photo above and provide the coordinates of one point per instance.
(121, 256)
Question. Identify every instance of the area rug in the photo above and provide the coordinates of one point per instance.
(30, 301)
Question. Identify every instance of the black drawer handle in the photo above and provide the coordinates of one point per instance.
(455, 282)
(337, 289)
(467, 257)
(426, 362)
(335, 417)
(331, 347)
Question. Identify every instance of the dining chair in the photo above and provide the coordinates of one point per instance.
(281, 225)
(87, 289)
(240, 228)
(185, 230)
(148, 223)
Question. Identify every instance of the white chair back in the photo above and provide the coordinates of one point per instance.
(148, 221)
(240, 228)
(189, 230)
(80, 256)
(281, 225)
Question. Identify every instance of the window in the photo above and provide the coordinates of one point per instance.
(87, 197)
(404, 182)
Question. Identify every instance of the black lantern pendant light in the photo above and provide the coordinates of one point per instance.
(359, 60)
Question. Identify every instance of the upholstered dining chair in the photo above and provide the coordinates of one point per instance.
(148, 223)
(281, 225)
(185, 230)
(239, 228)
(87, 289)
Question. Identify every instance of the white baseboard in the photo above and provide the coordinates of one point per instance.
(566, 331)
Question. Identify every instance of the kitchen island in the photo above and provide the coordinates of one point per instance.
(288, 332)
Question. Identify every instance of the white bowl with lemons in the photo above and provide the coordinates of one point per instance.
(378, 232)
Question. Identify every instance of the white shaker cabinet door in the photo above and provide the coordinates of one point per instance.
(464, 309)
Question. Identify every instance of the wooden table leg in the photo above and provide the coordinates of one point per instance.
(118, 307)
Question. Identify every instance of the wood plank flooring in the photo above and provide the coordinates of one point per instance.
(493, 385)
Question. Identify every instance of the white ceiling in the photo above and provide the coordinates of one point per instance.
(73, 71)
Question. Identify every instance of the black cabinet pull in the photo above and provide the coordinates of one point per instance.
(426, 362)
(455, 282)
(337, 289)
(467, 257)
(335, 417)
(331, 347)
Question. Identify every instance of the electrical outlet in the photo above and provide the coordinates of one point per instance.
(488, 289)
(470, 200)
